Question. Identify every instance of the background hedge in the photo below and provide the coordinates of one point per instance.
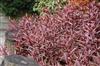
(15, 8)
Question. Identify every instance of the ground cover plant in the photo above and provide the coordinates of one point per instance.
(70, 37)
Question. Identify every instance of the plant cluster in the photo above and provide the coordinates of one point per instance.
(51, 5)
(15, 8)
(70, 37)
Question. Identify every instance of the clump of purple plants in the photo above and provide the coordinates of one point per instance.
(70, 37)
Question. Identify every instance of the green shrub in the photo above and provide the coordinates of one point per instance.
(52, 5)
(15, 8)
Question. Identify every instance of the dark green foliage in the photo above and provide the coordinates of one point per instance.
(15, 8)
